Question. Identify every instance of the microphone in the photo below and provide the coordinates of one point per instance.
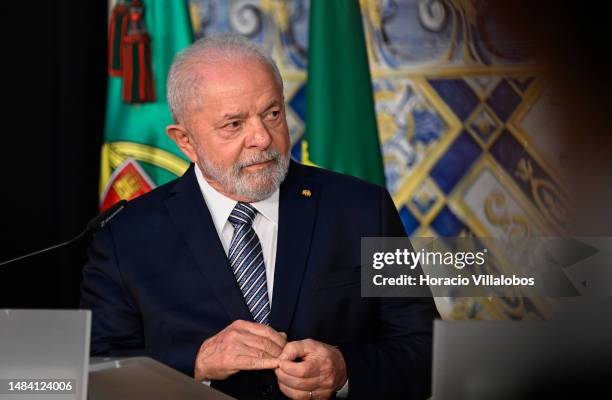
(94, 224)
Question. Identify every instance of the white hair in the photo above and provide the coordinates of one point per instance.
(184, 82)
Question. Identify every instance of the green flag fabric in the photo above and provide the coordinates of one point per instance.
(137, 154)
(341, 132)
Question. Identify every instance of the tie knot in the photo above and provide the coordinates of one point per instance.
(242, 214)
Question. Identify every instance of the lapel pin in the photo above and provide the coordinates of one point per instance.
(306, 193)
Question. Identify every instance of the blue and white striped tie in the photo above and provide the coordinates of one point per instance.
(246, 258)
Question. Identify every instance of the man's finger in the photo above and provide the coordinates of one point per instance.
(293, 393)
(254, 363)
(241, 349)
(295, 382)
(302, 369)
(261, 330)
(293, 350)
(267, 332)
(269, 347)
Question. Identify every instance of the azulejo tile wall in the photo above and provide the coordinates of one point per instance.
(463, 118)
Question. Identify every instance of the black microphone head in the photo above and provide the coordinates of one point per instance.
(104, 217)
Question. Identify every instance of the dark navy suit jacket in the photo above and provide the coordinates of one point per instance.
(159, 283)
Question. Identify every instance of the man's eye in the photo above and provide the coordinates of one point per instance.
(273, 114)
(233, 125)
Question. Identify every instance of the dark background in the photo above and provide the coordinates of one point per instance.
(54, 87)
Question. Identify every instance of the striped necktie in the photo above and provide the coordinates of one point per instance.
(246, 258)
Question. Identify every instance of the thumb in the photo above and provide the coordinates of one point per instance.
(292, 350)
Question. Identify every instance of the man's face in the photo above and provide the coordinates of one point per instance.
(238, 134)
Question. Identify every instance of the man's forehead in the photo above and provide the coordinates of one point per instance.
(234, 69)
(231, 111)
(233, 87)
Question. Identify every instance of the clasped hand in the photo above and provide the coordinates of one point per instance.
(247, 345)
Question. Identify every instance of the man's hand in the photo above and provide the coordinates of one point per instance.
(322, 370)
(240, 346)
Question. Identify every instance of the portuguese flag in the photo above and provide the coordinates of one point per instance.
(341, 132)
(144, 36)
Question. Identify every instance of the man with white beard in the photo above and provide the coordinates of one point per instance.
(245, 272)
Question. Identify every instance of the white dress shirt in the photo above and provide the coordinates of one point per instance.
(265, 225)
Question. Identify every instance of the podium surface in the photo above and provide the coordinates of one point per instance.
(143, 378)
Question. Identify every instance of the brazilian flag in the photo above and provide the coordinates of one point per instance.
(144, 37)
(341, 131)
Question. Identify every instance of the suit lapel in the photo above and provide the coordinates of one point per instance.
(194, 223)
(297, 211)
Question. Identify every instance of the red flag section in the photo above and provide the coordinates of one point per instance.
(128, 181)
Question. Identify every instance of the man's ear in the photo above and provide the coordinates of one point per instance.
(183, 140)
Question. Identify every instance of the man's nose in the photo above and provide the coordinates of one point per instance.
(258, 135)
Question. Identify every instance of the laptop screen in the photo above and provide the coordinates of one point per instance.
(44, 352)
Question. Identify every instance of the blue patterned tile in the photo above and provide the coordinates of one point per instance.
(296, 150)
(455, 162)
(483, 124)
(298, 102)
(508, 152)
(424, 197)
(428, 126)
(409, 221)
(447, 224)
(457, 94)
(504, 100)
(522, 84)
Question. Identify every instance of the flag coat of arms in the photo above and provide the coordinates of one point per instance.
(137, 155)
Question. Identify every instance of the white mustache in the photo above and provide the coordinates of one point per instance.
(268, 155)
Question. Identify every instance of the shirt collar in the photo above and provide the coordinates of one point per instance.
(221, 206)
